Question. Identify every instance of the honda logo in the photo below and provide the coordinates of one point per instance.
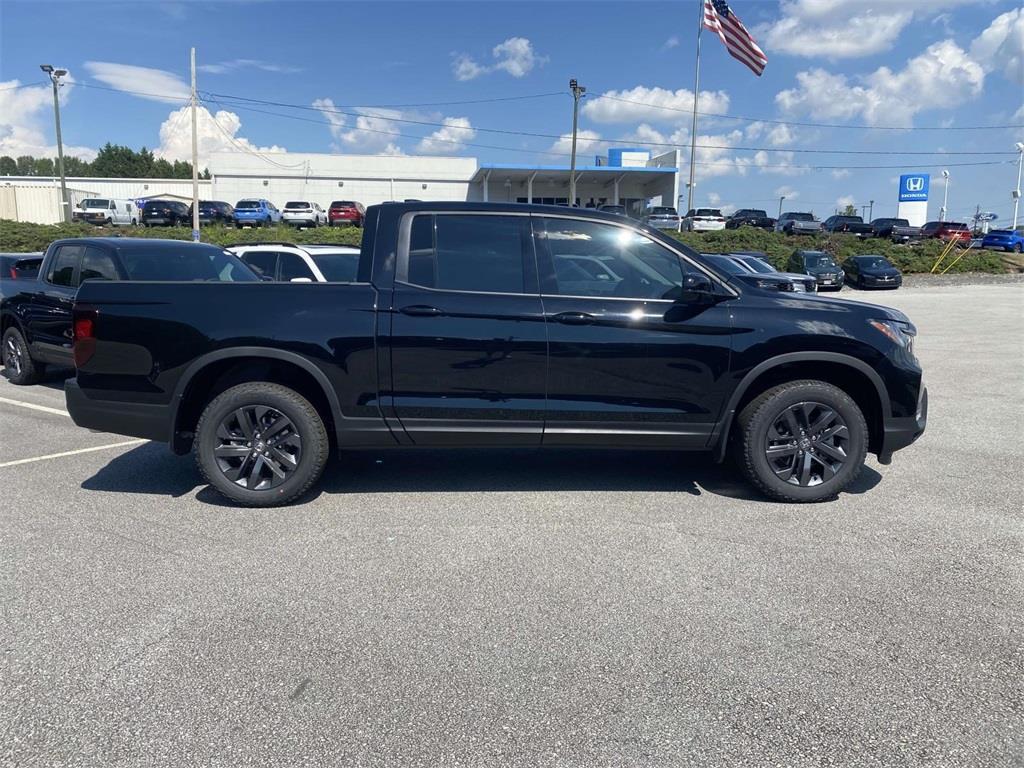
(915, 183)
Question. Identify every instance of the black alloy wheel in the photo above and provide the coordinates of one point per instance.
(17, 362)
(806, 444)
(13, 355)
(257, 447)
(261, 444)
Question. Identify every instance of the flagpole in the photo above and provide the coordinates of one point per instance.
(696, 91)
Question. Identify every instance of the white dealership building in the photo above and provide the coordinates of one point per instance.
(624, 176)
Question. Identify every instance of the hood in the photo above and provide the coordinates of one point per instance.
(881, 271)
(869, 311)
(830, 270)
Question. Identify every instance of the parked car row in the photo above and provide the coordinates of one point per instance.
(255, 212)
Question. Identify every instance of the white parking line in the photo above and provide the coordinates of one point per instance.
(71, 453)
(35, 407)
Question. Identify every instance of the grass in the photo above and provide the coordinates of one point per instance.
(919, 257)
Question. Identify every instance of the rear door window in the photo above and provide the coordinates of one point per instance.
(264, 262)
(478, 253)
(65, 265)
(97, 264)
(293, 267)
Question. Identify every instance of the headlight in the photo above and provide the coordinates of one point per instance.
(899, 332)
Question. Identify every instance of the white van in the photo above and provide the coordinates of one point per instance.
(106, 211)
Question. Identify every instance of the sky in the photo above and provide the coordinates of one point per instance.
(861, 82)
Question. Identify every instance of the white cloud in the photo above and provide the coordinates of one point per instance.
(1001, 46)
(449, 139)
(220, 67)
(776, 135)
(26, 120)
(845, 200)
(586, 142)
(374, 133)
(144, 82)
(843, 29)
(335, 122)
(672, 42)
(842, 173)
(885, 96)
(516, 56)
(215, 132)
(787, 192)
(655, 104)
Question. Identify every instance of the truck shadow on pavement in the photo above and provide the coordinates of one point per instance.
(152, 469)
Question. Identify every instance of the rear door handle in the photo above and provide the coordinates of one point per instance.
(421, 310)
(573, 318)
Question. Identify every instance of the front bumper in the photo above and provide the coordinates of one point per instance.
(901, 432)
(145, 420)
(882, 282)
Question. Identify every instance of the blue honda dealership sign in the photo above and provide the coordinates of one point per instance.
(914, 186)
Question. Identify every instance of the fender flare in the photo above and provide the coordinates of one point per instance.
(202, 362)
(718, 439)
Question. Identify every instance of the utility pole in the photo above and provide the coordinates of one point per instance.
(781, 198)
(945, 195)
(65, 204)
(195, 157)
(871, 209)
(1016, 192)
(577, 93)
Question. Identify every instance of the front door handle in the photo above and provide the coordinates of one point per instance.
(573, 318)
(421, 310)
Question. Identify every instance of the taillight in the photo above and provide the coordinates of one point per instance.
(84, 335)
(14, 274)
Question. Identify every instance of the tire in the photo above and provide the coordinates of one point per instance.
(18, 364)
(828, 473)
(221, 417)
(1017, 248)
(135, 222)
(109, 222)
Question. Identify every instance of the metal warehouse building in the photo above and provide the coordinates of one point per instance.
(625, 176)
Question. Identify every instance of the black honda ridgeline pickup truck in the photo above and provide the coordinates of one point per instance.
(499, 325)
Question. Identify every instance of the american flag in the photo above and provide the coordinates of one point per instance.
(719, 18)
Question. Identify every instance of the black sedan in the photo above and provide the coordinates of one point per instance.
(872, 272)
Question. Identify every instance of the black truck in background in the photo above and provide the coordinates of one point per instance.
(474, 324)
(37, 294)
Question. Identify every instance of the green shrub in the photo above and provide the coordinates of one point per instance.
(919, 257)
(19, 237)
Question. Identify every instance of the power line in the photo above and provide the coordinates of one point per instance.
(807, 124)
(537, 135)
(566, 154)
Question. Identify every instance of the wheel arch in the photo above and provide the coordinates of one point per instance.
(218, 371)
(850, 374)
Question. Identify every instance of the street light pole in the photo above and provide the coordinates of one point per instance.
(783, 197)
(577, 93)
(195, 157)
(55, 75)
(1016, 192)
(871, 209)
(945, 195)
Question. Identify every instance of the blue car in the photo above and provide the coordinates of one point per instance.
(257, 213)
(1005, 240)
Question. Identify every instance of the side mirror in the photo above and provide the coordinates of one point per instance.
(697, 288)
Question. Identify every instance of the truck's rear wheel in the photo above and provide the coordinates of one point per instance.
(261, 444)
(17, 362)
(802, 441)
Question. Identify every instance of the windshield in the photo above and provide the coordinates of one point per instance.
(186, 262)
(295, 204)
(247, 204)
(819, 260)
(757, 265)
(873, 262)
(343, 204)
(708, 212)
(849, 219)
(338, 267)
(663, 211)
(798, 216)
(613, 208)
(725, 264)
(95, 202)
(158, 205)
(956, 226)
(752, 213)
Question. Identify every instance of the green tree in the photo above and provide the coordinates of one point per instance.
(850, 210)
(26, 165)
(74, 166)
(45, 166)
(8, 166)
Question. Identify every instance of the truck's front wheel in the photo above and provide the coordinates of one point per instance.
(261, 444)
(802, 441)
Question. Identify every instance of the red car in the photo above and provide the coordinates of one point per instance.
(346, 212)
(946, 230)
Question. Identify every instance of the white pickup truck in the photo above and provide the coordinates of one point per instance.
(106, 211)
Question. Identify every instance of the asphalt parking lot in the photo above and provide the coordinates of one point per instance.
(528, 608)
